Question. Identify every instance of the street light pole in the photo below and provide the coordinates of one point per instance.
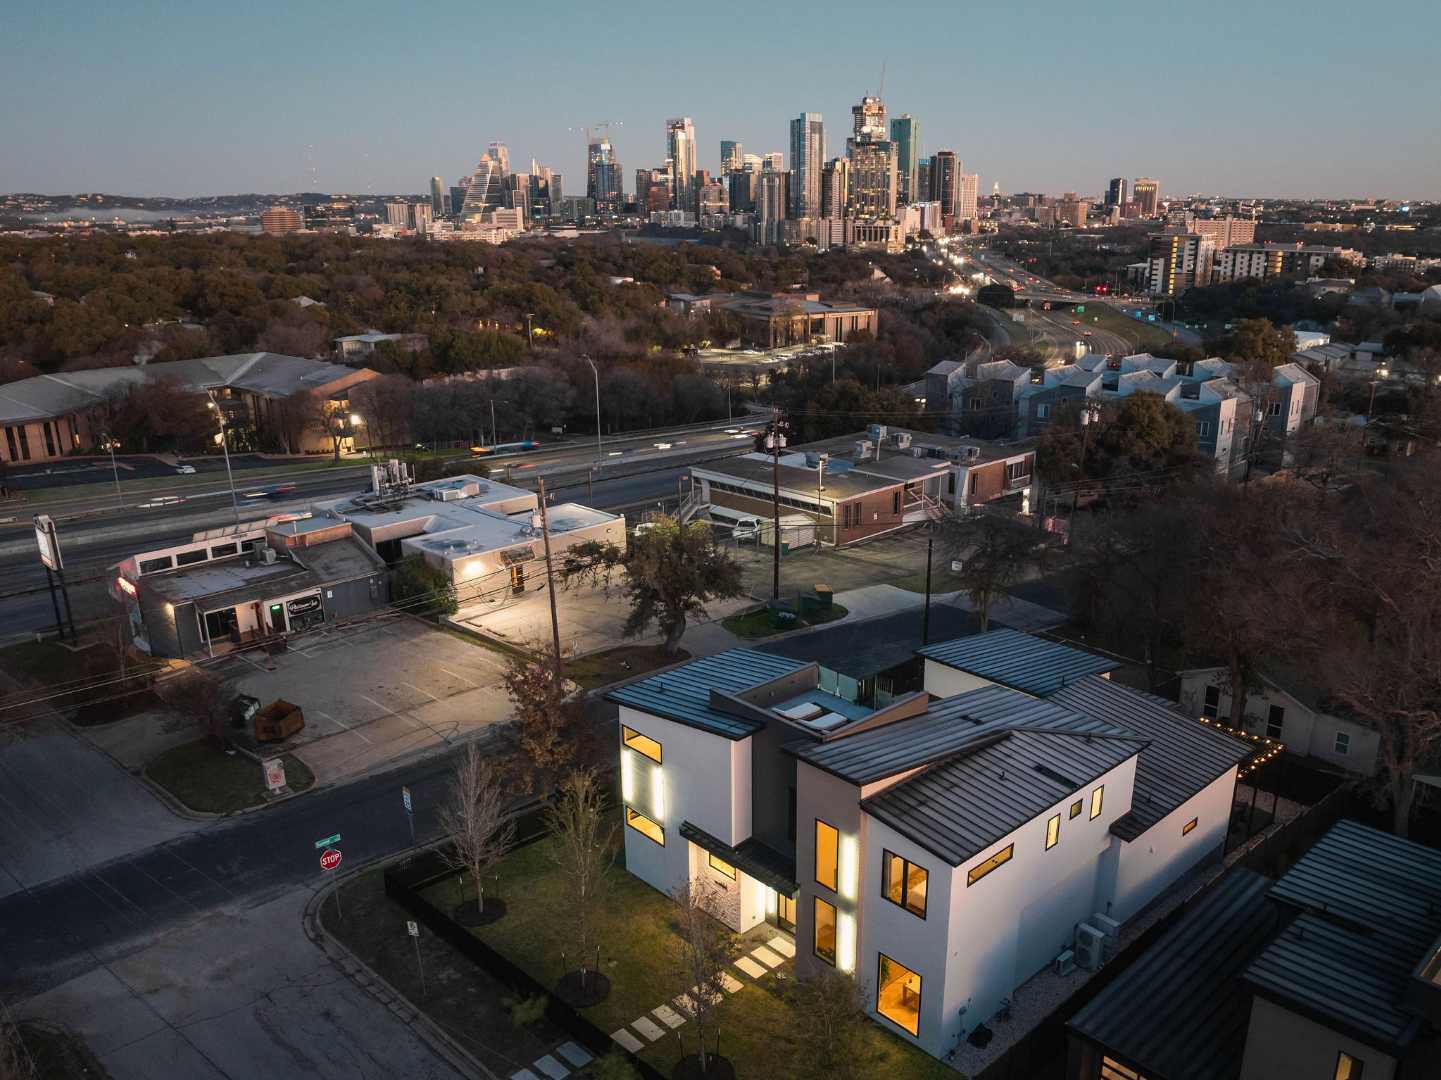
(114, 469)
(225, 447)
(529, 334)
(596, 372)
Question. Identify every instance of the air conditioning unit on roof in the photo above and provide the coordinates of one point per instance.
(1090, 947)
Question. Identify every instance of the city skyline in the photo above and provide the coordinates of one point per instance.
(273, 114)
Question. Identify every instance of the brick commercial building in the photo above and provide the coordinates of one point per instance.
(774, 320)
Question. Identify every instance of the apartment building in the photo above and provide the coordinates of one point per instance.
(939, 851)
(1178, 261)
(1260, 262)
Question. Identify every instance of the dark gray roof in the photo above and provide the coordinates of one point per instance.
(958, 808)
(861, 648)
(765, 864)
(1181, 757)
(1180, 1012)
(683, 693)
(948, 727)
(1021, 661)
(1371, 906)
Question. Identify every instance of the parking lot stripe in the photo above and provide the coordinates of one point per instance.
(457, 675)
(427, 693)
(344, 726)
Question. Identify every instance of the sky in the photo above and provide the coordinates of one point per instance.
(1266, 98)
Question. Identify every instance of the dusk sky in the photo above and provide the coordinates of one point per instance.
(1324, 98)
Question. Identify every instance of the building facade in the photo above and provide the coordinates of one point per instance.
(808, 155)
(680, 151)
(906, 134)
(1146, 196)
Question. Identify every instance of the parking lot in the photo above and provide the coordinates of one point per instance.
(883, 560)
(377, 692)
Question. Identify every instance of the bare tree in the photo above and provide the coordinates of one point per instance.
(583, 853)
(198, 697)
(15, 1060)
(994, 553)
(475, 817)
(829, 1033)
(705, 949)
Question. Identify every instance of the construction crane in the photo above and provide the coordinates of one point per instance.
(603, 127)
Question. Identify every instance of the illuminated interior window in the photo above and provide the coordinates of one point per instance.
(827, 844)
(1189, 826)
(720, 866)
(904, 883)
(1348, 1067)
(1096, 797)
(641, 744)
(1114, 1070)
(1076, 808)
(645, 826)
(1053, 831)
(980, 870)
(898, 994)
(825, 938)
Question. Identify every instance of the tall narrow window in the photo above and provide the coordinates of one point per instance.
(904, 883)
(1096, 798)
(898, 994)
(1212, 707)
(1275, 720)
(827, 843)
(1348, 1067)
(1053, 831)
(825, 933)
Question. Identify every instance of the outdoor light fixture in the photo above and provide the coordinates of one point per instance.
(657, 793)
(849, 867)
(770, 900)
(846, 942)
(627, 777)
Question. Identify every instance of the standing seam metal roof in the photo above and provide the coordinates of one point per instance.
(683, 694)
(1021, 661)
(1182, 755)
(958, 808)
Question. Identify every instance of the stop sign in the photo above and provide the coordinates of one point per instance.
(329, 858)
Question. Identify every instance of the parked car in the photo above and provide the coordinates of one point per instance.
(185, 470)
(746, 529)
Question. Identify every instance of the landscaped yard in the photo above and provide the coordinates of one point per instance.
(205, 778)
(638, 947)
(622, 662)
(759, 624)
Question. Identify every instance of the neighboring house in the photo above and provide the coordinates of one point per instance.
(859, 486)
(1286, 708)
(355, 347)
(976, 397)
(940, 851)
(1332, 972)
(48, 416)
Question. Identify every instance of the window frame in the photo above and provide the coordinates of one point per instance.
(632, 812)
(1275, 717)
(1338, 746)
(720, 866)
(817, 902)
(1209, 709)
(834, 885)
(1053, 831)
(1189, 826)
(1076, 808)
(1357, 1070)
(995, 861)
(906, 867)
(881, 960)
(1098, 800)
(629, 737)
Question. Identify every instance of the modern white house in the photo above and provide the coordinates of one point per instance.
(1287, 708)
(943, 848)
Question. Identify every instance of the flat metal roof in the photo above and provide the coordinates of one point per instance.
(1178, 1012)
(765, 864)
(1182, 755)
(683, 693)
(960, 807)
(1021, 661)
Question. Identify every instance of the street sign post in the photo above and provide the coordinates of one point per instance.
(329, 841)
(274, 775)
(329, 858)
(413, 929)
(409, 811)
(47, 540)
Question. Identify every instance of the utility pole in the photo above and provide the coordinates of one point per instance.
(549, 579)
(225, 446)
(926, 617)
(776, 442)
(596, 372)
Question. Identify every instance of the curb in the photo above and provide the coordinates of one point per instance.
(461, 1059)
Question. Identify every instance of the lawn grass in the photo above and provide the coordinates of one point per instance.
(622, 662)
(1144, 336)
(205, 778)
(757, 624)
(56, 1054)
(638, 946)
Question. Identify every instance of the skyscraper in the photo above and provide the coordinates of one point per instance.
(966, 196)
(873, 178)
(421, 214)
(457, 199)
(869, 119)
(770, 206)
(500, 154)
(835, 188)
(437, 196)
(775, 161)
(1146, 193)
(1116, 192)
(680, 149)
(945, 183)
(397, 214)
(906, 134)
(603, 176)
(485, 190)
(923, 180)
(808, 155)
(730, 156)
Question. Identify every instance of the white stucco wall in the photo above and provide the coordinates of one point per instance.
(942, 681)
(836, 802)
(1281, 1043)
(1149, 864)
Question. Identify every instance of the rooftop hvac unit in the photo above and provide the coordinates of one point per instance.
(1065, 963)
(877, 432)
(815, 457)
(863, 449)
(1106, 925)
(267, 556)
(447, 494)
(535, 522)
(919, 452)
(902, 439)
(972, 453)
(1090, 947)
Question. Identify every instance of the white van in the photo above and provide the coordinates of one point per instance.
(746, 529)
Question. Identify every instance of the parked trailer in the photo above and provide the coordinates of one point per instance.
(797, 531)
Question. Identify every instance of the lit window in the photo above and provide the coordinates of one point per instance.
(645, 826)
(1343, 742)
(1096, 797)
(980, 870)
(825, 935)
(641, 744)
(1114, 1070)
(1076, 808)
(898, 994)
(1348, 1067)
(1189, 826)
(720, 866)
(827, 842)
(904, 883)
(1053, 831)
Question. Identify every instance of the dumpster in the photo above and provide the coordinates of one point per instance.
(278, 720)
(825, 595)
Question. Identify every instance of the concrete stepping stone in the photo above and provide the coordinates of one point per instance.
(668, 1016)
(551, 1068)
(523, 1074)
(750, 967)
(766, 957)
(627, 1040)
(782, 946)
(577, 1055)
(648, 1027)
(730, 983)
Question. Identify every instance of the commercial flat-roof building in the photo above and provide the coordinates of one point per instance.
(893, 835)
(775, 319)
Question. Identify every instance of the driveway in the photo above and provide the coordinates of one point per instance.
(66, 806)
(379, 691)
